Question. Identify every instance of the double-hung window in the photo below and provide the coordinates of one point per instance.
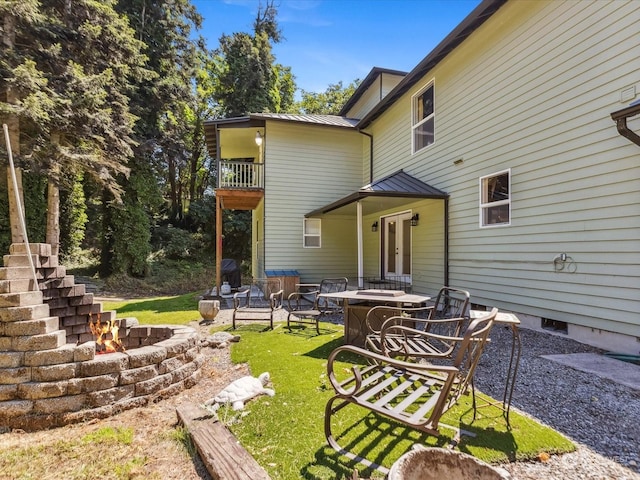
(423, 121)
(311, 233)
(495, 199)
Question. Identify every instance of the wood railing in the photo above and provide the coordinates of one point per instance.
(234, 174)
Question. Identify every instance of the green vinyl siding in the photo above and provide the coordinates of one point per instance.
(532, 91)
(308, 167)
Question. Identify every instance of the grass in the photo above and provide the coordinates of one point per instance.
(285, 433)
(174, 310)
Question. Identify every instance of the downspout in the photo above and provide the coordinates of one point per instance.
(370, 154)
(446, 241)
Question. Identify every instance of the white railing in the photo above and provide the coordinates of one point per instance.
(240, 174)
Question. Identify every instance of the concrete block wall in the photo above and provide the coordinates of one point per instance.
(66, 300)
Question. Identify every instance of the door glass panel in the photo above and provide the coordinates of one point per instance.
(391, 246)
(406, 247)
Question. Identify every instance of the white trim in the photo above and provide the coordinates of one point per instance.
(306, 235)
(415, 124)
(482, 205)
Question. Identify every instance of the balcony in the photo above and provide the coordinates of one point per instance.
(240, 174)
(240, 184)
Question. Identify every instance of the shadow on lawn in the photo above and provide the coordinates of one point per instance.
(373, 437)
(382, 441)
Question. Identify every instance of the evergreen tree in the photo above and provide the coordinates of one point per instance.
(66, 78)
(248, 79)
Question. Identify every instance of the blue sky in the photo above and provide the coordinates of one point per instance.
(328, 41)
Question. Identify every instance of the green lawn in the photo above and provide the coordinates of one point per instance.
(285, 433)
(174, 310)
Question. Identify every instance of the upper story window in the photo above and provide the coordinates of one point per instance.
(311, 233)
(423, 122)
(495, 199)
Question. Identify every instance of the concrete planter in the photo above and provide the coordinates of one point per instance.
(438, 463)
(209, 309)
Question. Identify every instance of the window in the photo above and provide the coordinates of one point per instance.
(311, 233)
(423, 122)
(495, 199)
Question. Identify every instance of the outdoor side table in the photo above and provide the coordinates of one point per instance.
(512, 321)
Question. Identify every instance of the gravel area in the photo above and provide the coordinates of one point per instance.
(602, 417)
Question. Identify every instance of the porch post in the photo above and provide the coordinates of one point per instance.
(360, 247)
(218, 245)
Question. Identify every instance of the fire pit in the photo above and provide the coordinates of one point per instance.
(55, 371)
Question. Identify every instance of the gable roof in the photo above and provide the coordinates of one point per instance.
(469, 25)
(398, 185)
(373, 75)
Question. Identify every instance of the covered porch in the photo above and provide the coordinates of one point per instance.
(401, 230)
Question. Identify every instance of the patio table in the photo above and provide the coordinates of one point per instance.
(357, 303)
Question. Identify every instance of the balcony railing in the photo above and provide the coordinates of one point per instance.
(234, 174)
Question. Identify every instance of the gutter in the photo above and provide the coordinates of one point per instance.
(621, 116)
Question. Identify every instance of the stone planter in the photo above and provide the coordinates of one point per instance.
(438, 463)
(209, 309)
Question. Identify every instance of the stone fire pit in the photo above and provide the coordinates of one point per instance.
(50, 371)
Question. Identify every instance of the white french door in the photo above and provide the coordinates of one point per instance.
(397, 246)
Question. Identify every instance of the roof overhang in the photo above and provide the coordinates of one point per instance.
(393, 191)
(258, 120)
(621, 116)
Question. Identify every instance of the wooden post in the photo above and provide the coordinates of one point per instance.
(8, 40)
(14, 212)
(218, 245)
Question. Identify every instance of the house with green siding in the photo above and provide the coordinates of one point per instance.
(505, 163)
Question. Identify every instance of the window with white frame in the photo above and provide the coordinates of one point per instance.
(311, 233)
(495, 199)
(423, 121)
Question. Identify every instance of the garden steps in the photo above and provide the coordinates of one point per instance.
(222, 455)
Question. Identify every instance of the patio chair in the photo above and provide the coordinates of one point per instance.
(260, 301)
(308, 307)
(414, 394)
(445, 318)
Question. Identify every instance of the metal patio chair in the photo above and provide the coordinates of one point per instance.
(414, 394)
(308, 307)
(445, 318)
(260, 301)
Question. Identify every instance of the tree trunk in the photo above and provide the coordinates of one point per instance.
(53, 216)
(53, 203)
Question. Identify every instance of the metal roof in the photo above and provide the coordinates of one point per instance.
(397, 185)
(259, 119)
(327, 120)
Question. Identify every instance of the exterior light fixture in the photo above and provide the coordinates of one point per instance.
(374, 226)
(414, 220)
(258, 139)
